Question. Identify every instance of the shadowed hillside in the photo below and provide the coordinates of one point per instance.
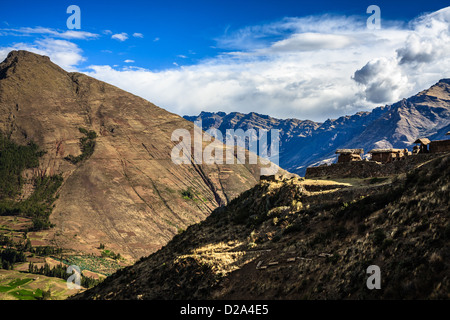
(307, 239)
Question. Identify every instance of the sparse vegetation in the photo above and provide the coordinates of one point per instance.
(110, 254)
(38, 206)
(87, 146)
(378, 237)
(377, 180)
(60, 271)
(188, 194)
(101, 265)
(14, 159)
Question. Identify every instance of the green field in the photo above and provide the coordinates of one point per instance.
(15, 285)
(100, 265)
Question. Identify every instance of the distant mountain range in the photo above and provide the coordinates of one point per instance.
(306, 143)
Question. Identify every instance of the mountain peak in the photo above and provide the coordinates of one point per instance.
(22, 55)
(31, 66)
(446, 80)
(440, 90)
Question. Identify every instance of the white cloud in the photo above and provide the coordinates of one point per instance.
(68, 35)
(138, 35)
(311, 41)
(383, 80)
(262, 36)
(307, 68)
(129, 61)
(120, 36)
(418, 61)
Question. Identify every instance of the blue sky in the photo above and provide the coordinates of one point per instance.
(303, 59)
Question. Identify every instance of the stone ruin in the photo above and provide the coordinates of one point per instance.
(382, 162)
(349, 155)
(388, 155)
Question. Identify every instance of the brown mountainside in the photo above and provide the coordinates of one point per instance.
(128, 194)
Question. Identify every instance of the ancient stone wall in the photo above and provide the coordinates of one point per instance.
(366, 169)
(440, 146)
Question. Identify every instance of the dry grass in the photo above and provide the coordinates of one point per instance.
(222, 258)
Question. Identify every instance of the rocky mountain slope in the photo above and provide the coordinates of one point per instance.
(113, 149)
(305, 143)
(303, 239)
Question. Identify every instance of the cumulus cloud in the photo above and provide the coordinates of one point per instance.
(429, 41)
(281, 88)
(138, 35)
(120, 36)
(419, 61)
(383, 80)
(129, 61)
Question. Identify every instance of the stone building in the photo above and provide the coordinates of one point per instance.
(437, 146)
(387, 155)
(422, 145)
(349, 155)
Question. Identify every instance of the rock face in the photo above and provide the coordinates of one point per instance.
(282, 240)
(304, 143)
(128, 194)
